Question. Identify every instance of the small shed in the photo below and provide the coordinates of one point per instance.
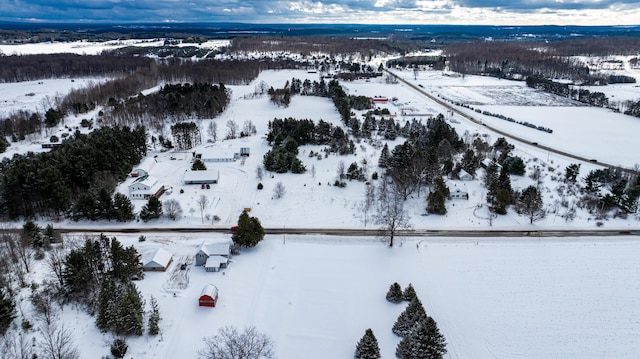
(209, 296)
(465, 176)
(139, 172)
(159, 262)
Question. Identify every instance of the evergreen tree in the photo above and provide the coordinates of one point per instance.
(119, 348)
(198, 165)
(7, 310)
(384, 156)
(154, 317)
(367, 347)
(394, 295)
(122, 208)
(249, 232)
(530, 204)
(437, 197)
(151, 210)
(407, 319)
(424, 342)
(516, 165)
(409, 293)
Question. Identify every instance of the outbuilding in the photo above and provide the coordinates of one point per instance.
(465, 176)
(201, 177)
(209, 296)
(458, 194)
(160, 261)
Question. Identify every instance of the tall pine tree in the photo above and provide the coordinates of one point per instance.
(394, 295)
(408, 318)
(367, 347)
(423, 342)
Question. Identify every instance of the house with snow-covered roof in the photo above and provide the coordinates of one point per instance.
(144, 187)
(220, 252)
(159, 261)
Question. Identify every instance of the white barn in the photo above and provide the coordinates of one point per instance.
(145, 187)
(160, 261)
(217, 154)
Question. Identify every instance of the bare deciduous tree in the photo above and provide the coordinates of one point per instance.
(369, 199)
(341, 170)
(212, 131)
(202, 202)
(313, 171)
(278, 190)
(16, 346)
(57, 342)
(55, 262)
(232, 129)
(172, 208)
(259, 173)
(391, 215)
(248, 128)
(229, 343)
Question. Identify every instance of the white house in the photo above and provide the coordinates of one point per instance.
(201, 177)
(215, 263)
(159, 261)
(207, 250)
(458, 194)
(145, 187)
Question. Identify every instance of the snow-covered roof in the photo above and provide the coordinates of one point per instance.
(217, 152)
(161, 258)
(464, 173)
(209, 290)
(216, 249)
(215, 261)
(206, 175)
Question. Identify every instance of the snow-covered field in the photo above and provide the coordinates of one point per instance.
(315, 296)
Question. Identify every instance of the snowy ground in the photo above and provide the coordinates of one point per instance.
(315, 296)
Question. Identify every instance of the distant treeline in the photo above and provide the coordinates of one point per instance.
(598, 99)
(325, 45)
(38, 67)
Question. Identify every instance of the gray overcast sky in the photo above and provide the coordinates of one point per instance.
(489, 12)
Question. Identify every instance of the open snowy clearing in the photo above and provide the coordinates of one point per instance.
(315, 296)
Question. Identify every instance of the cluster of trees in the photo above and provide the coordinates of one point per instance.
(306, 132)
(186, 135)
(201, 100)
(58, 182)
(421, 338)
(562, 89)
(434, 62)
(511, 60)
(426, 154)
(609, 189)
(511, 119)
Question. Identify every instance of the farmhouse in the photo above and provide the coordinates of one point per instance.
(144, 187)
(206, 250)
(201, 177)
(458, 194)
(160, 261)
(217, 154)
(208, 296)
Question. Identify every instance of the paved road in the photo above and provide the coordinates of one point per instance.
(457, 110)
(348, 232)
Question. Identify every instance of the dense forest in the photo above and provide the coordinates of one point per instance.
(73, 178)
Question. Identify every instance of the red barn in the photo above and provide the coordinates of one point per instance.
(209, 296)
